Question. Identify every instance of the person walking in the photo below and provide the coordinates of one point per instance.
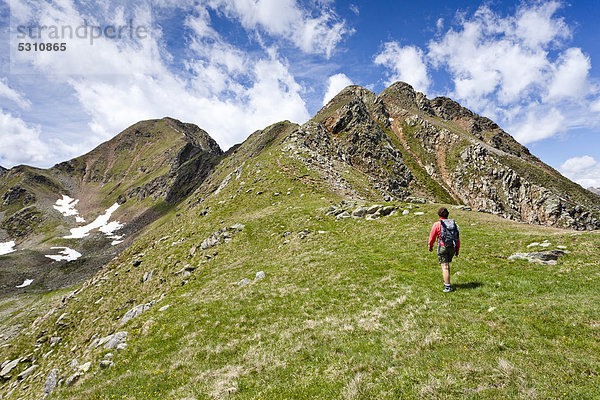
(445, 231)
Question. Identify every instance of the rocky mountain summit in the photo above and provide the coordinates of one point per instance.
(410, 145)
(595, 190)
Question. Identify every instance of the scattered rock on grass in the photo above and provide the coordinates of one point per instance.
(259, 275)
(243, 282)
(50, 384)
(545, 257)
(27, 372)
(135, 311)
(7, 368)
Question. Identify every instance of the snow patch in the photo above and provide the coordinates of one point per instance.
(7, 247)
(116, 242)
(25, 283)
(101, 223)
(66, 206)
(66, 254)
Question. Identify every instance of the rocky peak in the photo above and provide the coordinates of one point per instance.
(595, 190)
(198, 137)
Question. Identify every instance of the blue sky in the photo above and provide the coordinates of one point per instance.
(235, 66)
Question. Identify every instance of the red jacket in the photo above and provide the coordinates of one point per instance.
(436, 231)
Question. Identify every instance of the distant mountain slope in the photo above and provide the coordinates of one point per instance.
(143, 170)
(595, 190)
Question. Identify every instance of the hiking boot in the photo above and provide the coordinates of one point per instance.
(448, 289)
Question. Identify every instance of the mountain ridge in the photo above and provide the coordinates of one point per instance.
(390, 146)
(302, 252)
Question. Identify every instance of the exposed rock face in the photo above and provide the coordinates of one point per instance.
(351, 131)
(441, 151)
(595, 190)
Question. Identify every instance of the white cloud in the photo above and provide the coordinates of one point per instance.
(13, 95)
(570, 76)
(584, 170)
(225, 90)
(537, 125)
(313, 31)
(354, 8)
(595, 106)
(21, 144)
(335, 84)
(406, 64)
(507, 68)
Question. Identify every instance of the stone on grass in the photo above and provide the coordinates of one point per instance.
(113, 341)
(163, 308)
(27, 372)
(244, 281)
(136, 311)
(359, 212)
(405, 212)
(7, 368)
(71, 380)
(260, 275)
(387, 210)
(85, 367)
(419, 213)
(50, 383)
(106, 364)
(544, 257)
(373, 209)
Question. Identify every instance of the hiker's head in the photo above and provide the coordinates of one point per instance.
(443, 212)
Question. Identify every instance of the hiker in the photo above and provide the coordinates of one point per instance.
(446, 232)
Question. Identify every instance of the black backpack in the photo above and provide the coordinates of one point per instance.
(449, 232)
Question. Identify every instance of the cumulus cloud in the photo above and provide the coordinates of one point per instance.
(13, 95)
(515, 69)
(226, 90)
(21, 144)
(406, 64)
(584, 170)
(335, 84)
(313, 31)
(537, 126)
(570, 75)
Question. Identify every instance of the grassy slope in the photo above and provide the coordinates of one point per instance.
(355, 312)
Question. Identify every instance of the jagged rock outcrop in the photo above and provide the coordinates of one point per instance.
(440, 150)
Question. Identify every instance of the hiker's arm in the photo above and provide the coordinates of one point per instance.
(435, 230)
(457, 247)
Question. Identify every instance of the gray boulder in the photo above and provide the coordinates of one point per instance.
(136, 311)
(359, 212)
(27, 372)
(50, 384)
(9, 367)
(114, 341)
(544, 257)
